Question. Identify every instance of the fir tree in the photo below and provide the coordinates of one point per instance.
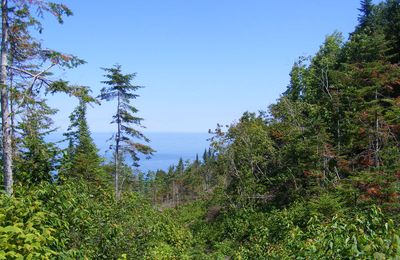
(365, 18)
(205, 156)
(37, 159)
(82, 152)
(196, 162)
(391, 26)
(121, 88)
(180, 167)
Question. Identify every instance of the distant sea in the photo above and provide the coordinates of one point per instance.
(169, 147)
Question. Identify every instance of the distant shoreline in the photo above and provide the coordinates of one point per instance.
(169, 146)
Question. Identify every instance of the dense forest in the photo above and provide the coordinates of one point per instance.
(316, 176)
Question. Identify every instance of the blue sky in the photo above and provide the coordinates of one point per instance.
(202, 62)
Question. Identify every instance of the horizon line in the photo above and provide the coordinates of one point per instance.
(145, 132)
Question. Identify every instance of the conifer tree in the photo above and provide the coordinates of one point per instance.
(120, 88)
(82, 152)
(180, 167)
(36, 160)
(371, 79)
(391, 23)
(205, 156)
(365, 17)
(196, 162)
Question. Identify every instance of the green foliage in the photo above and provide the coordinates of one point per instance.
(81, 158)
(36, 160)
(365, 18)
(68, 221)
(242, 152)
(301, 232)
(366, 236)
(28, 230)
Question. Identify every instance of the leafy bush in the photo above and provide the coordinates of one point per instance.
(69, 221)
(28, 230)
(306, 230)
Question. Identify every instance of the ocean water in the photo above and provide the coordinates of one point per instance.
(169, 147)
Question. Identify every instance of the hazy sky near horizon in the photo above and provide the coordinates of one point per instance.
(202, 62)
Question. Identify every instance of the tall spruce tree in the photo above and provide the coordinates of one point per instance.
(365, 18)
(127, 137)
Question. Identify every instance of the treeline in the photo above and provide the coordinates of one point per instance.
(182, 183)
(337, 124)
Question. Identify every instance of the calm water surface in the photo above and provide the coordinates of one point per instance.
(169, 146)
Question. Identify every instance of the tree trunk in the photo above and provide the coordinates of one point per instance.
(12, 113)
(376, 133)
(5, 113)
(117, 139)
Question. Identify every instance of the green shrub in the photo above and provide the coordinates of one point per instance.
(27, 230)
